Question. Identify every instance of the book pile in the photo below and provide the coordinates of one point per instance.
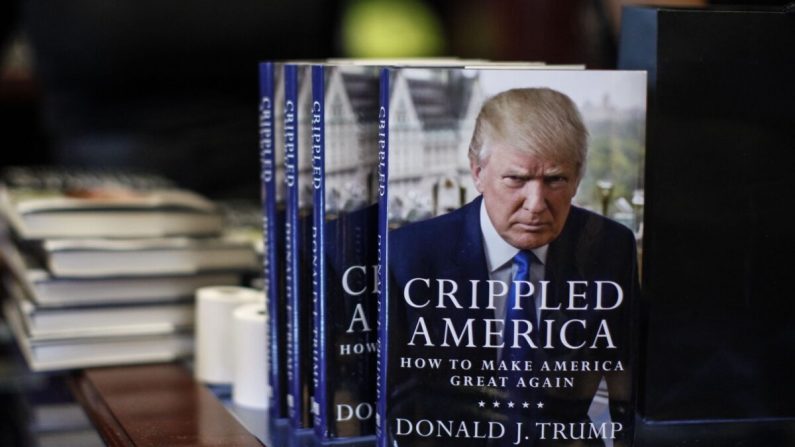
(442, 264)
(100, 268)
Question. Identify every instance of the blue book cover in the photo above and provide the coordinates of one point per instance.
(344, 126)
(508, 273)
(298, 241)
(273, 204)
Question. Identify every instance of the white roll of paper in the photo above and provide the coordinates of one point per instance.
(214, 355)
(249, 388)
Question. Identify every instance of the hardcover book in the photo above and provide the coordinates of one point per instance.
(344, 133)
(43, 354)
(271, 128)
(507, 264)
(92, 257)
(298, 241)
(51, 323)
(47, 290)
(97, 206)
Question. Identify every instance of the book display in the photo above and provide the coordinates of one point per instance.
(451, 252)
(110, 289)
(470, 345)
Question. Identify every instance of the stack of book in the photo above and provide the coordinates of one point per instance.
(101, 268)
(442, 265)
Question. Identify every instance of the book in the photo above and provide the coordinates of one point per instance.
(504, 309)
(46, 290)
(84, 352)
(271, 131)
(59, 323)
(344, 131)
(72, 177)
(49, 291)
(49, 323)
(298, 238)
(98, 206)
(93, 257)
(243, 222)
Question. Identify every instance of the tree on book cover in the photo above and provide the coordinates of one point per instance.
(271, 129)
(298, 241)
(344, 113)
(507, 297)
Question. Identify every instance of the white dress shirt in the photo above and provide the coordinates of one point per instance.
(499, 260)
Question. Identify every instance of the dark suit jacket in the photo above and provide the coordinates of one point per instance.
(590, 248)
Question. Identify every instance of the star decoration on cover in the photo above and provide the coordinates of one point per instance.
(510, 404)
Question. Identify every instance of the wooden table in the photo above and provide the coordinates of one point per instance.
(156, 405)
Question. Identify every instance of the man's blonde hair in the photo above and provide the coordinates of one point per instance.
(541, 121)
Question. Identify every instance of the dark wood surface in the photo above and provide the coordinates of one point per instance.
(156, 405)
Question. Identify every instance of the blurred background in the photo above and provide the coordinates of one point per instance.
(171, 87)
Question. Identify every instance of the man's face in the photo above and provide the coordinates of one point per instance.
(527, 198)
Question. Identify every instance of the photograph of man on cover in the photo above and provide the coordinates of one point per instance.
(531, 292)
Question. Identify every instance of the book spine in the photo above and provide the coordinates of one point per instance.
(319, 363)
(292, 241)
(345, 256)
(382, 256)
(267, 148)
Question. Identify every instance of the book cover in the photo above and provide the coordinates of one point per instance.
(507, 263)
(271, 130)
(86, 205)
(298, 241)
(344, 133)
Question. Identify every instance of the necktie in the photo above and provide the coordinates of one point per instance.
(521, 401)
(523, 310)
